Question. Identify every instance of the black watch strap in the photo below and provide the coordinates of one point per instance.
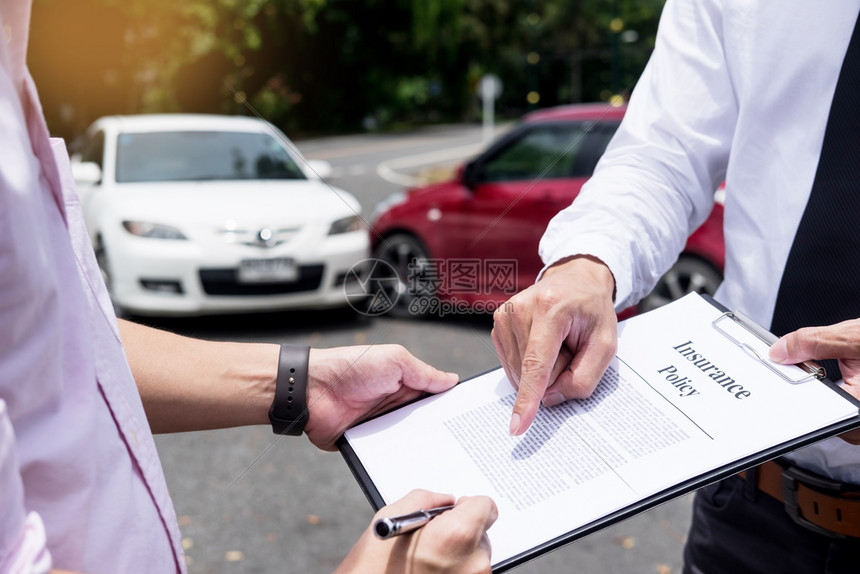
(289, 411)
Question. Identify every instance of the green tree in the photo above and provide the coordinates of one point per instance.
(331, 65)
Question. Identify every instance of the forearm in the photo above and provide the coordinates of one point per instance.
(190, 384)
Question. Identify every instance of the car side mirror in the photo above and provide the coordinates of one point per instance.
(469, 174)
(86, 173)
(320, 167)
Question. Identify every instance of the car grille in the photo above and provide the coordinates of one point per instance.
(255, 238)
(223, 282)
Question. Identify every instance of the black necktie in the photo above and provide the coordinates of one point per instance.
(821, 281)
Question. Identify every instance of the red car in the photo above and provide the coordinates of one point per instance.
(468, 244)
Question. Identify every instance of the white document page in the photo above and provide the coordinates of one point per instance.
(679, 400)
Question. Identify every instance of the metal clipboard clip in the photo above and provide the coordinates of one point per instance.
(738, 330)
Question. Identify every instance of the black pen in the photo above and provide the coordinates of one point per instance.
(388, 527)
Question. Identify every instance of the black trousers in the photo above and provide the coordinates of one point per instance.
(737, 529)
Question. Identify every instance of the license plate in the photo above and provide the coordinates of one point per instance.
(267, 270)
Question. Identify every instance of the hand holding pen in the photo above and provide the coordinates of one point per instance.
(387, 527)
(452, 538)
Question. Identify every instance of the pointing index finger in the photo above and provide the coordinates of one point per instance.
(541, 353)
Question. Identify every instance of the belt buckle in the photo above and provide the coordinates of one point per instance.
(791, 475)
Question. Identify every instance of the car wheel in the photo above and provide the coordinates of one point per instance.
(688, 275)
(104, 268)
(407, 257)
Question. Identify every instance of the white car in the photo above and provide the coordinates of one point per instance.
(197, 214)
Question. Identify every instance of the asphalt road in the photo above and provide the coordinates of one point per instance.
(251, 502)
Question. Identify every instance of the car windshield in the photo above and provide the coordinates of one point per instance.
(202, 155)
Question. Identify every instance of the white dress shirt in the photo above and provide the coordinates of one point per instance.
(737, 91)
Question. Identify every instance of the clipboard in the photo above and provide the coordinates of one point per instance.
(753, 337)
(726, 324)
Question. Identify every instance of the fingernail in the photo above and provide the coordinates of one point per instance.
(515, 424)
(554, 399)
(778, 352)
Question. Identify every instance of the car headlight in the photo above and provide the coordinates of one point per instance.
(152, 230)
(345, 225)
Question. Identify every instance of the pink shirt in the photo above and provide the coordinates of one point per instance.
(78, 452)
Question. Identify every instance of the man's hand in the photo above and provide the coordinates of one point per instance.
(453, 542)
(840, 341)
(556, 338)
(349, 384)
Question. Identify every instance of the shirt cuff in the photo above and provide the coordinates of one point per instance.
(30, 553)
(23, 545)
(553, 249)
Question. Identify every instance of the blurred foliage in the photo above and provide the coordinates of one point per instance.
(331, 65)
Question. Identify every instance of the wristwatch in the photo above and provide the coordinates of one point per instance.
(289, 411)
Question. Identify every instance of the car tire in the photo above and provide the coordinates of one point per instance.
(689, 274)
(104, 268)
(404, 253)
